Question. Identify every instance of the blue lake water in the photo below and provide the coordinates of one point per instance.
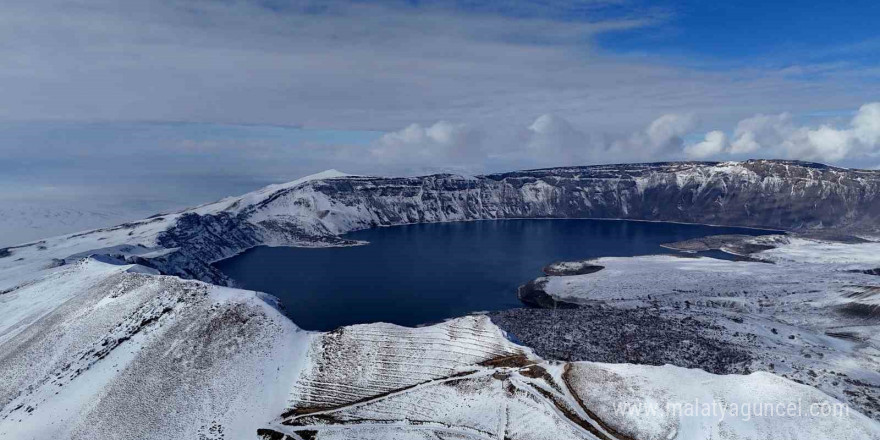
(417, 274)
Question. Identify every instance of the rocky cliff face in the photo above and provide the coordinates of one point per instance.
(769, 194)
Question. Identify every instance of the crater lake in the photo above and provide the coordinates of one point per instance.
(424, 273)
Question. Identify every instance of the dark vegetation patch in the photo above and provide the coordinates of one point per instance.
(734, 244)
(270, 434)
(711, 242)
(308, 434)
(861, 305)
(14, 288)
(867, 271)
(861, 310)
(512, 361)
(639, 336)
(849, 336)
(831, 235)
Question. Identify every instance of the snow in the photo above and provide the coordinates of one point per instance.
(31, 260)
(20, 222)
(86, 352)
(136, 238)
(236, 204)
(355, 362)
(520, 396)
(670, 402)
(625, 277)
(846, 256)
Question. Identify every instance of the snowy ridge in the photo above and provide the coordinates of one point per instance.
(670, 402)
(100, 351)
(236, 204)
(20, 222)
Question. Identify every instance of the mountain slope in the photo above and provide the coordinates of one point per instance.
(20, 222)
(97, 350)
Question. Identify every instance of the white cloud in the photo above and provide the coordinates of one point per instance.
(518, 90)
(715, 143)
(442, 144)
(752, 132)
(329, 64)
(552, 140)
(824, 143)
(666, 131)
(363, 65)
(549, 140)
(549, 128)
(778, 136)
(662, 139)
(866, 124)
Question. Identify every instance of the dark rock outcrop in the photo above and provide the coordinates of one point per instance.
(532, 294)
(785, 195)
(571, 268)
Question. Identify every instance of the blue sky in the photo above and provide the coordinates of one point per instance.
(179, 102)
(769, 32)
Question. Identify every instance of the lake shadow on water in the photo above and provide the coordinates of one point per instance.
(416, 274)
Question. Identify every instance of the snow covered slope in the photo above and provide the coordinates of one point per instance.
(21, 222)
(103, 351)
(669, 402)
(475, 385)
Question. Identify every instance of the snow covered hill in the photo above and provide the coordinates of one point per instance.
(97, 350)
(117, 333)
(20, 222)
